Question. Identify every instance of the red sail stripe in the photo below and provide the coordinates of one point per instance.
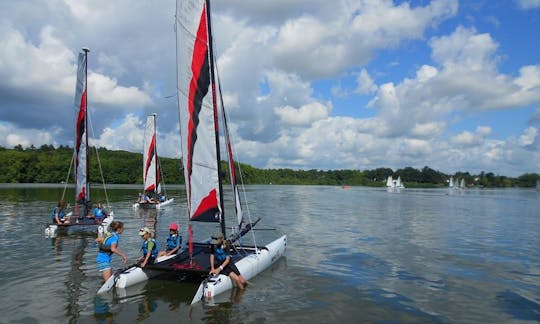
(80, 124)
(207, 204)
(150, 155)
(198, 88)
(197, 92)
(81, 130)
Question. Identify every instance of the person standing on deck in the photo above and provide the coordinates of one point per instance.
(220, 261)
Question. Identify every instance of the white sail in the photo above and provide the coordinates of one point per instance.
(389, 182)
(451, 183)
(198, 122)
(150, 162)
(399, 183)
(82, 192)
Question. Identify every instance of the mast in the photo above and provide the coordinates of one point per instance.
(216, 123)
(156, 181)
(86, 50)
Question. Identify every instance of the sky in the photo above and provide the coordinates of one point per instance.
(308, 84)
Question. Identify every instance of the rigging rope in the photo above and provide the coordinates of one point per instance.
(69, 172)
(99, 164)
(233, 152)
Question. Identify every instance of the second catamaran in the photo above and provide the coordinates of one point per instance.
(152, 196)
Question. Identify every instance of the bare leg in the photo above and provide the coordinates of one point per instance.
(106, 274)
(237, 280)
(242, 279)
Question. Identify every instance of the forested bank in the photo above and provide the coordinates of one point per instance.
(48, 164)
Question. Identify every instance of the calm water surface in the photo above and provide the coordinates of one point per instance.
(356, 255)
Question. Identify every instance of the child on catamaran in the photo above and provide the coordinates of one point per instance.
(174, 241)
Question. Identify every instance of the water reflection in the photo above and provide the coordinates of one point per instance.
(357, 255)
(146, 306)
(76, 278)
(102, 310)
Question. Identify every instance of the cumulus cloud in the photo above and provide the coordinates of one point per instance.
(11, 136)
(128, 134)
(276, 60)
(365, 83)
(529, 136)
(529, 4)
(316, 48)
(303, 116)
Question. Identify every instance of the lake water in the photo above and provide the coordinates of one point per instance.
(355, 255)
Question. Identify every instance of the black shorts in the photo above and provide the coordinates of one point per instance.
(230, 267)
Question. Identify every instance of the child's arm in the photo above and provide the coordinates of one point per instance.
(148, 254)
(114, 249)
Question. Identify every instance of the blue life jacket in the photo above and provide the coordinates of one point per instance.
(173, 241)
(154, 248)
(162, 198)
(98, 213)
(60, 214)
(103, 247)
(220, 254)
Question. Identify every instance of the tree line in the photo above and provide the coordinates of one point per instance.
(48, 164)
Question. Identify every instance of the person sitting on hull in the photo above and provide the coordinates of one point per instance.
(58, 214)
(220, 261)
(149, 248)
(174, 241)
(147, 198)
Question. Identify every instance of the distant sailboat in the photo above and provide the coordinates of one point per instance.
(80, 222)
(399, 184)
(152, 176)
(389, 182)
(462, 183)
(451, 183)
(394, 185)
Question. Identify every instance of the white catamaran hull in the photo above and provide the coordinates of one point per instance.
(249, 267)
(156, 206)
(130, 277)
(52, 230)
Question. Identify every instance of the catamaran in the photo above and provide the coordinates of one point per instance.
(198, 92)
(152, 197)
(79, 222)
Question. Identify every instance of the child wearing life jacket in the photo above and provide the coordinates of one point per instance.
(220, 261)
(149, 248)
(174, 241)
(58, 214)
(107, 247)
